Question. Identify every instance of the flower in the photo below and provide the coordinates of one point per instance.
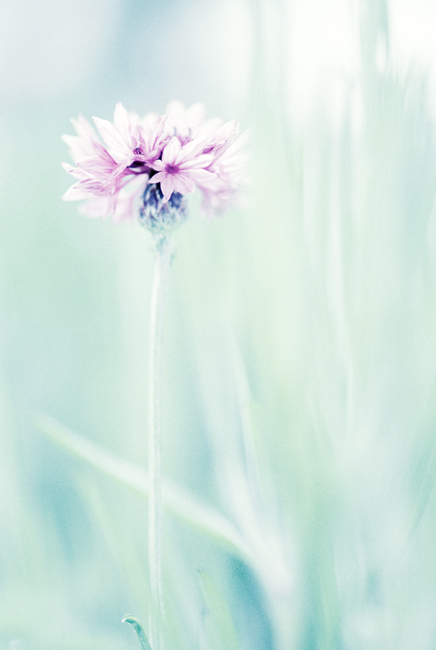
(144, 168)
(181, 166)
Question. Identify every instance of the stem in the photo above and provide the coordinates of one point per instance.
(157, 310)
(145, 645)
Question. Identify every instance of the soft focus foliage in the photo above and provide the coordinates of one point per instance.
(299, 350)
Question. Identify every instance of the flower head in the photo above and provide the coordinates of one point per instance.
(182, 166)
(143, 168)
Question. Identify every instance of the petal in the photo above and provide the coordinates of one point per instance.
(204, 160)
(158, 165)
(118, 148)
(128, 200)
(80, 147)
(167, 186)
(75, 171)
(228, 131)
(185, 121)
(171, 150)
(150, 118)
(95, 208)
(75, 193)
(83, 127)
(183, 184)
(209, 128)
(176, 112)
(190, 150)
(68, 168)
(121, 120)
(97, 165)
(203, 177)
(128, 126)
(158, 178)
(196, 114)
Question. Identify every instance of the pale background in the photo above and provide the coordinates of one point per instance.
(301, 327)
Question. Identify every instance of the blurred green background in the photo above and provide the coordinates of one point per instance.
(300, 338)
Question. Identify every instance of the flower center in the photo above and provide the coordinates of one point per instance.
(171, 169)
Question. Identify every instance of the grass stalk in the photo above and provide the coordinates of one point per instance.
(157, 311)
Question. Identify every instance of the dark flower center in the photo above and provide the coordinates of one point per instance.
(171, 169)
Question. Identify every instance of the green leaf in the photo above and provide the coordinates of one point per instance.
(145, 645)
(174, 498)
(220, 613)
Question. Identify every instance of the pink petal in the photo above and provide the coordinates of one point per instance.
(167, 186)
(80, 174)
(209, 127)
(170, 152)
(80, 147)
(183, 184)
(97, 165)
(158, 165)
(196, 114)
(118, 148)
(96, 208)
(202, 176)
(75, 193)
(228, 131)
(185, 120)
(199, 161)
(122, 122)
(158, 178)
(190, 150)
(83, 127)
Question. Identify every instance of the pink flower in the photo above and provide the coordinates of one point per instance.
(103, 172)
(154, 137)
(123, 137)
(81, 145)
(181, 167)
(173, 153)
(229, 166)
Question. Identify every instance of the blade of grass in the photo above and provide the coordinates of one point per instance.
(220, 613)
(145, 645)
(174, 498)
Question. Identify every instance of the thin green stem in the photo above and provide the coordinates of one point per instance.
(145, 645)
(157, 310)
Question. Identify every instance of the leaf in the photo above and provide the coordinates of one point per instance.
(220, 613)
(145, 645)
(175, 499)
